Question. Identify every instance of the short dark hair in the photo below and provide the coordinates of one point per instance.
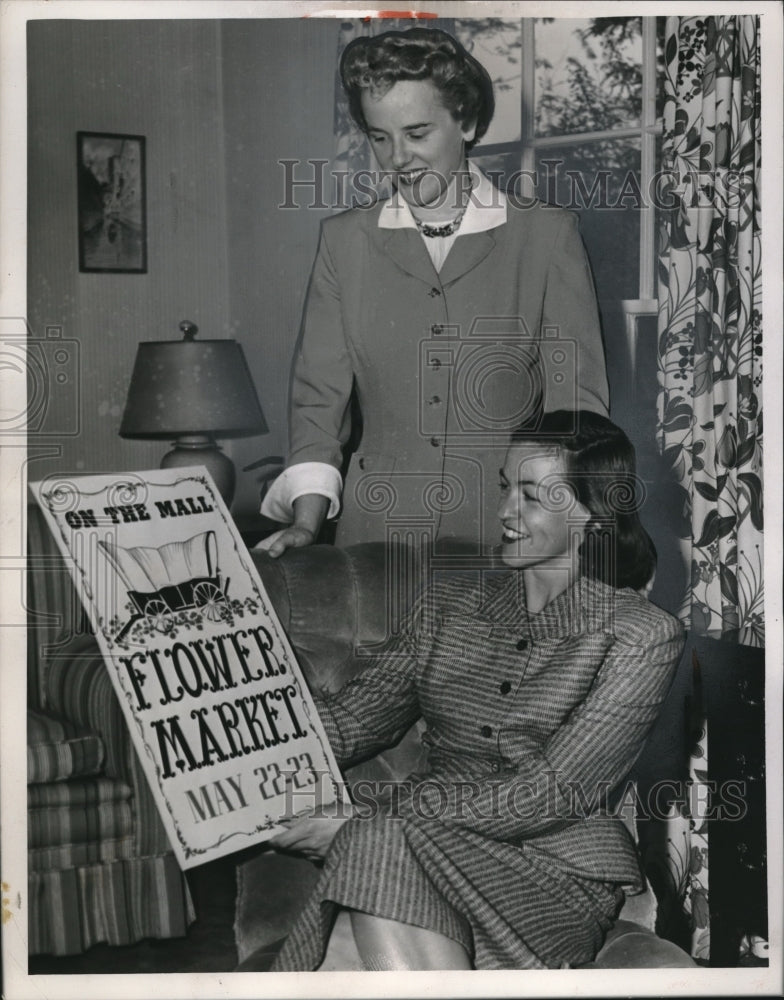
(376, 64)
(600, 468)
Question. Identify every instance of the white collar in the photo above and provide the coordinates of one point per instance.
(486, 208)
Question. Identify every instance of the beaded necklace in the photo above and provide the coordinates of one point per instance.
(446, 229)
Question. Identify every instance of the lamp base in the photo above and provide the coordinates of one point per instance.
(201, 449)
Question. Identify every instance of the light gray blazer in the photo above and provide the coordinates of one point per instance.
(445, 365)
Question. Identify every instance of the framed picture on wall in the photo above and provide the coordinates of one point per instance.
(111, 199)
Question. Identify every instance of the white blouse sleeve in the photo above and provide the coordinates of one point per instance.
(299, 480)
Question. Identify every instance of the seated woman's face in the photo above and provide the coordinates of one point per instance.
(541, 518)
(416, 139)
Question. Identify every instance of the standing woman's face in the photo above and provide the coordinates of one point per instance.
(541, 518)
(416, 139)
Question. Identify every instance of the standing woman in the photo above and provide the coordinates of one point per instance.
(538, 687)
(453, 313)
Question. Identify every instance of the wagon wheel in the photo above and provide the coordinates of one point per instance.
(211, 599)
(157, 614)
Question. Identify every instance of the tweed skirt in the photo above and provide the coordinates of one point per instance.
(508, 905)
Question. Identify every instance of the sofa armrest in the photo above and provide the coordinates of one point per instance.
(631, 946)
(79, 688)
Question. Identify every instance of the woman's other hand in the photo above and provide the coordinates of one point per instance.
(310, 510)
(311, 835)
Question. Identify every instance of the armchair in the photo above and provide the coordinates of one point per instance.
(100, 869)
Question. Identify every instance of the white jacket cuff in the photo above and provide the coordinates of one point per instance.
(297, 481)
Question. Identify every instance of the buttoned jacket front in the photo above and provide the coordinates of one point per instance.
(539, 716)
(444, 364)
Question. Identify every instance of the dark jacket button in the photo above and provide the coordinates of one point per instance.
(506, 687)
(435, 442)
(436, 330)
(522, 644)
(434, 292)
(486, 731)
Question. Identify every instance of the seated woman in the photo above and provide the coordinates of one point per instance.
(538, 685)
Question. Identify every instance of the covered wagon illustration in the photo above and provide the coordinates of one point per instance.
(175, 577)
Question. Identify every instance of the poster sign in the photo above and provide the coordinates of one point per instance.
(218, 710)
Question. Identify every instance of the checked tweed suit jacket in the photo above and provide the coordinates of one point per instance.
(545, 711)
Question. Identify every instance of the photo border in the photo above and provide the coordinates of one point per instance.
(13, 471)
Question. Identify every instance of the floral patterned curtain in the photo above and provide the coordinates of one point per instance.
(710, 356)
(710, 313)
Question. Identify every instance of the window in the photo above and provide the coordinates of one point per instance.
(578, 121)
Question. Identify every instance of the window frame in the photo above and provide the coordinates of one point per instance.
(646, 132)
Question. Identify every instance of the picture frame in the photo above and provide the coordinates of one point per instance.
(111, 187)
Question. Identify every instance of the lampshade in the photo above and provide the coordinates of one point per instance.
(191, 386)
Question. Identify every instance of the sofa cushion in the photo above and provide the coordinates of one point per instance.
(78, 824)
(80, 792)
(84, 855)
(57, 749)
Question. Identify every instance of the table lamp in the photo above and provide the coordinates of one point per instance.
(193, 391)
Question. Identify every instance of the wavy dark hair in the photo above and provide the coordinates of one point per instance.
(600, 468)
(376, 64)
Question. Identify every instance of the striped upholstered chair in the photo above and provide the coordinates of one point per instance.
(100, 869)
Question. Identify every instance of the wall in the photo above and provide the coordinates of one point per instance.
(278, 104)
(219, 102)
(160, 79)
